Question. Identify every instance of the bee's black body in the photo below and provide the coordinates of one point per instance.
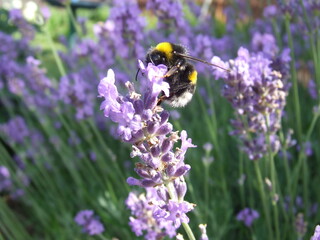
(181, 76)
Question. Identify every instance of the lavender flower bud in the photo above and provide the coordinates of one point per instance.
(164, 117)
(157, 177)
(155, 151)
(168, 157)
(165, 129)
(163, 194)
(166, 146)
(152, 127)
(138, 136)
(133, 181)
(147, 158)
(203, 230)
(138, 106)
(181, 188)
(150, 102)
(147, 183)
(182, 170)
(146, 115)
(171, 169)
(142, 173)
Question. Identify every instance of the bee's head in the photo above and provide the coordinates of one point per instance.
(164, 53)
(157, 57)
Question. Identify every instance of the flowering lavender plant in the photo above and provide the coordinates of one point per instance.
(89, 223)
(145, 125)
(258, 94)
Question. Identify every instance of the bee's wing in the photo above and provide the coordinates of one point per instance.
(203, 61)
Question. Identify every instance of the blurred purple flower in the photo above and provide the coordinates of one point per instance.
(300, 225)
(89, 223)
(16, 130)
(45, 11)
(175, 115)
(75, 89)
(265, 43)
(26, 29)
(83, 217)
(168, 11)
(307, 148)
(270, 11)
(5, 179)
(208, 147)
(312, 88)
(203, 230)
(316, 235)
(123, 31)
(247, 216)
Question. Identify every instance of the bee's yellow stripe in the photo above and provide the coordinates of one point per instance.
(165, 47)
(193, 77)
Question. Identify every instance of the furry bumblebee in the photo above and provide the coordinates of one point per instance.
(181, 75)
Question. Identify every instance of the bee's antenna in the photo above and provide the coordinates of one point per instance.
(137, 74)
(203, 61)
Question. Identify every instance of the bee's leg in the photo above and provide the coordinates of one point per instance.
(137, 74)
(171, 71)
(161, 99)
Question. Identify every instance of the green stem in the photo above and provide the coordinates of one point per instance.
(263, 198)
(273, 178)
(302, 159)
(288, 175)
(73, 20)
(55, 52)
(206, 187)
(294, 79)
(211, 124)
(241, 174)
(188, 231)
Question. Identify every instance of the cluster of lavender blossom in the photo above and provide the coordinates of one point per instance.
(89, 222)
(5, 180)
(258, 94)
(145, 125)
(248, 216)
(8, 186)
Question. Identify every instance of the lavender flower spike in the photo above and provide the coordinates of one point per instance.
(257, 93)
(247, 216)
(5, 180)
(161, 168)
(90, 224)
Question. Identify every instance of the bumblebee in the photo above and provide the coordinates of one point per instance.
(181, 75)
